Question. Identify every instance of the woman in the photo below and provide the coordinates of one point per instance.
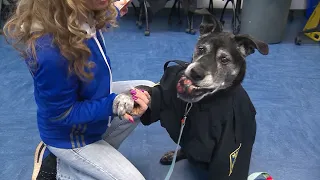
(62, 44)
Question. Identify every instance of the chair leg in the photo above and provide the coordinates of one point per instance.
(235, 19)
(211, 6)
(139, 22)
(223, 11)
(147, 30)
(179, 13)
(190, 29)
(238, 7)
(135, 9)
(173, 9)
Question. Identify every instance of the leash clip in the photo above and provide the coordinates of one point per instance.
(183, 120)
(186, 112)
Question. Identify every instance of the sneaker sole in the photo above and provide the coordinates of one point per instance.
(38, 155)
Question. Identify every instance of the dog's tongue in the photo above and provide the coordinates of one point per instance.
(184, 86)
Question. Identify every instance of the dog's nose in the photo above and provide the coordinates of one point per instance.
(197, 74)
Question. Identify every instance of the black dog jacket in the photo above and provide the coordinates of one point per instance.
(220, 129)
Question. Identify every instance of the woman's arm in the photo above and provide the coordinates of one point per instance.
(122, 7)
(57, 92)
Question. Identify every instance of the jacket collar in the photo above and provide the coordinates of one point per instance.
(36, 26)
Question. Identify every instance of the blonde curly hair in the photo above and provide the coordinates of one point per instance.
(60, 18)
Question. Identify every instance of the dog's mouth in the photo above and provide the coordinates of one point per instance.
(187, 89)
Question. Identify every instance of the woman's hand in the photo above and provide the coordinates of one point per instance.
(122, 5)
(142, 99)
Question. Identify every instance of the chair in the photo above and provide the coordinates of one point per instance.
(143, 8)
(189, 7)
(146, 13)
(236, 8)
(175, 9)
(6, 8)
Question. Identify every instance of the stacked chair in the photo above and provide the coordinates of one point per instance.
(188, 6)
(6, 8)
(236, 8)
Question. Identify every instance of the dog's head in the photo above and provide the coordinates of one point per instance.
(218, 61)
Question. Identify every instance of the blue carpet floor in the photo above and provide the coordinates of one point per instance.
(284, 86)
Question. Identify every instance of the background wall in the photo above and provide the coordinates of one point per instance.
(299, 4)
(296, 4)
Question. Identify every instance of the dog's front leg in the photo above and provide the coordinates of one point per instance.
(145, 88)
(148, 89)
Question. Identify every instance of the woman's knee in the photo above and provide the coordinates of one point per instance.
(98, 160)
(65, 171)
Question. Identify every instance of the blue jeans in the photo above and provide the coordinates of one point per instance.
(101, 160)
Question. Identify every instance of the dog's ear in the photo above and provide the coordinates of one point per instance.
(248, 44)
(209, 23)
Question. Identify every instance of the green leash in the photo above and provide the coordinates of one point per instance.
(183, 122)
(255, 175)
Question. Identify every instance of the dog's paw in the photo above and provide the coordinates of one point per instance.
(122, 104)
(145, 88)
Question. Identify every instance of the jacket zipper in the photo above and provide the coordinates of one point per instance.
(104, 56)
(106, 61)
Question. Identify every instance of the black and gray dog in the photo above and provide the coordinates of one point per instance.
(220, 128)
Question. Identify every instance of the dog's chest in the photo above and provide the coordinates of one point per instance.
(203, 119)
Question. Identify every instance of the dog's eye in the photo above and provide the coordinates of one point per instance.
(224, 60)
(201, 49)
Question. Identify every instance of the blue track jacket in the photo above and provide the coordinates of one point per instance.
(71, 113)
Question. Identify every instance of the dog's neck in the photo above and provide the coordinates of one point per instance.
(223, 93)
(238, 80)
